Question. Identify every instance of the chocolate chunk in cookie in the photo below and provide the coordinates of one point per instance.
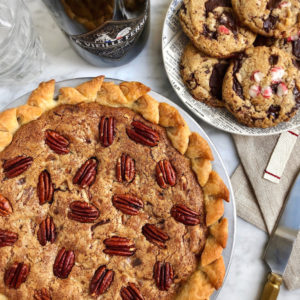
(268, 17)
(213, 28)
(203, 76)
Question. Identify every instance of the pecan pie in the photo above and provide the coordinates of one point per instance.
(106, 194)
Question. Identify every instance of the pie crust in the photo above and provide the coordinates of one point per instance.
(210, 271)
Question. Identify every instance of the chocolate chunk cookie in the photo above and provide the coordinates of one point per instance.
(261, 87)
(213, 28)
(290, 44)
(269, 17)
(203, 75)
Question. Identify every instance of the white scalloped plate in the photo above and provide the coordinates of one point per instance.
(230, 212)
(173, 43)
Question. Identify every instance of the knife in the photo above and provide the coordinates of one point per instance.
(281, 242)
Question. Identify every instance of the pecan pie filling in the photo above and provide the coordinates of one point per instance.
(93, 200)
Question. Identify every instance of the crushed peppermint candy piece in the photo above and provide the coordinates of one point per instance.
(284, 4)
(224, 30)
(294, 37)
(266, 91)
(254, 91)
(257, 76)
(282, 89)
(276, 74)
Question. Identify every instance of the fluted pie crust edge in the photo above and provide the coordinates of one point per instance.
(134, 95)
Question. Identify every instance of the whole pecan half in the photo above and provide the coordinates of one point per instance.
(56, 142)
(119, 246)
(107, 131)
(127, 204)
(101, 281)
(5, 207)
(163, 275)
(83, 212)
(86, 174)
(45, 187)
(165, 174)
(143, 134)
(15, 166)
(155, 235)
(47, 231)
(131, 292)
(185, 215)
(125, 169)
(64, 263)
(16, 275)
(7, 238)
(42, 294)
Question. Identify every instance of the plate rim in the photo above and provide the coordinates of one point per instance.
(227, 130)
(189, 118)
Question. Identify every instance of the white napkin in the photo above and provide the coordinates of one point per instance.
(260, 200)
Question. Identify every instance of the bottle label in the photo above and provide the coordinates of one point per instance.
(113, 39)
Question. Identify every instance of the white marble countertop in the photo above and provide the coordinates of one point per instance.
(247, 272)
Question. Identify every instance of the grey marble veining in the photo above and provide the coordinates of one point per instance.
(247, 272)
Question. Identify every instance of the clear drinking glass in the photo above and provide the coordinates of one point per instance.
(21, 52)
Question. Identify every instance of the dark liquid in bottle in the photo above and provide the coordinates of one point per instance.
(102, 33)
(89, 13)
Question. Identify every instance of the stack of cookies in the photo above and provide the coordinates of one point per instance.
(244, 55)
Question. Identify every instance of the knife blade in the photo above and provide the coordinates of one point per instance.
(281, 242)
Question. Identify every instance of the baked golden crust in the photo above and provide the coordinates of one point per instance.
(91, 88)
(133, 95)
(27, 113)
(215, 272)
(8, 120)
(198, 287)
(133, 90)
(177, 129)
(214, 210)
(148, 107)
(215, 187)
(43, 96)
(200, 154)
(111, 95)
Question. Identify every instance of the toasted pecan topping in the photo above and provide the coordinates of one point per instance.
(125, 169)
(155, 235)
(16, 275)
(45, 187)
(56, 142)
(165, 174)
(107, 131)
(47, 231)
(143, 134)
(128, 204)
(64, 263)
(83, 212)
(131, 292)
(86, 174)
(101, 281)
(119, 246)
(15, 166)
(5, 207)
(42, 294)
(163, 275)
(7, 238)
(185, 215)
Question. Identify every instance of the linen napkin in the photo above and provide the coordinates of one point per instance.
(259, 200)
